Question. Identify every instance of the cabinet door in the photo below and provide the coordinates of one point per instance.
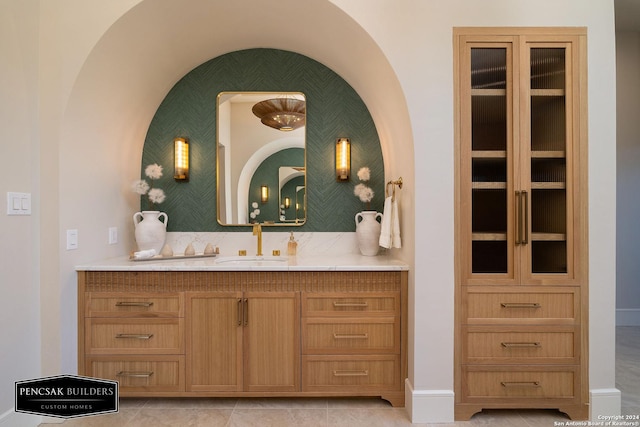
(272, 341)
(549, 184)
(214, 341)
(487, 153)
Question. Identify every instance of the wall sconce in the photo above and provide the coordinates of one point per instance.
(343, 159)
(287, 202)
(264, 194)
(181, 159)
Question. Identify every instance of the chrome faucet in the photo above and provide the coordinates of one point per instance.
(257, 231)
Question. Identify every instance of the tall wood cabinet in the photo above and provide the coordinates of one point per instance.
(521, 220)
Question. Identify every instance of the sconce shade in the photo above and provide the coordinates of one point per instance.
(287, 202)
(264, 194)
(284, 114)
(343, 159)
(181, 159)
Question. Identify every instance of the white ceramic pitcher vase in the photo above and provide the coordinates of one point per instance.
(150, 231)
(368, 232)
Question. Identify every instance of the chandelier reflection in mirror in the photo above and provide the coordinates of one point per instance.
(283, 114)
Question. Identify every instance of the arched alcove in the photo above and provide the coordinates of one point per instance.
(136, 62)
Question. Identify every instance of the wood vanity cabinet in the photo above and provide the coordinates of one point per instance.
(217, 333)
(521, 220)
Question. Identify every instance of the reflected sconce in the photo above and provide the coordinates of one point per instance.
(181, 159)
(264, 194)
(343, 159)
(287, 202)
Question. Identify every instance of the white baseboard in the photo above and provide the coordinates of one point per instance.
(605, 402)
(628, 317)
(429, 406)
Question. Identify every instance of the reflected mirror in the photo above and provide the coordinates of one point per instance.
(261, 161)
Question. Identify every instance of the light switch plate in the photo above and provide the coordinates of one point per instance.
(18, 203)
(113, 235)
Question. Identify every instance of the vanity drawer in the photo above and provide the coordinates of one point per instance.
(140, 373)
(350, 335)
(342, 374)
(134, 336)
(522, 304)
(498, 345)
(513, 384)
(350, 304)
(131, 304)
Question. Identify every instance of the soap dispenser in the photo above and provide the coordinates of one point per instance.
(292, 247)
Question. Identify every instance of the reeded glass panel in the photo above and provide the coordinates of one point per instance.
(548, 161)
(489, 252)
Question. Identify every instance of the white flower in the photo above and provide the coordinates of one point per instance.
(364, 193)
(256, 211)
(364, 174)
(254, 205)
(252, 215)
(156, 195)
(140, 186)
(153, 171)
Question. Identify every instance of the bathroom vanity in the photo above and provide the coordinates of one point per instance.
(204, 328)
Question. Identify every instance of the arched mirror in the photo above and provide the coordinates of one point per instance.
(261, 158)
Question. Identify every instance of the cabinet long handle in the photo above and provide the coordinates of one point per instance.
(135, 336)
(520, 344)
(525, 215)
(518, 221)
(240, 314)
(520, 383)
(351, 336)
(520, 305)
(134, 374)
(350, 304)
(362, 373)
(134, 304)
(245, 312)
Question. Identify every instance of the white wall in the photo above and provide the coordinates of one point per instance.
(628, 208)
(106, 66)
(19, 287)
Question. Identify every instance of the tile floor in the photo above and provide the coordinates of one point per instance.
(304, 412)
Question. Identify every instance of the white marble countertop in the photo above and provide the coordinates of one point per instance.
(349, 262)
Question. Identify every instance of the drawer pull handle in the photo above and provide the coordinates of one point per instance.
(351, 336)
(521, 344)
(362, 373)
(350, 304)
(134, 374)
(135, 336)
(133, 304)
(520, 305)
(520, 384)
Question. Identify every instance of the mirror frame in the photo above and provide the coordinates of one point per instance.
(275, 222)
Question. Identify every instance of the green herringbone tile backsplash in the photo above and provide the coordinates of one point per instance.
(334, 110)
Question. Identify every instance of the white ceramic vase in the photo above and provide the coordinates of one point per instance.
(368, 232)
(150, 231)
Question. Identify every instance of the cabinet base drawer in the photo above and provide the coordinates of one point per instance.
(140, 373)
(350, 335)
(132, 304)
(131, 336)
(345, 373)
(514, 383)
(524, 345)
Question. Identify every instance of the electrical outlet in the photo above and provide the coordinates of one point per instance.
(113, 235)
(72, 239)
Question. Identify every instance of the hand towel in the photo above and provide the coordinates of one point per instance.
(390, 225)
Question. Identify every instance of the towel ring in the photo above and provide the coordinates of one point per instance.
(394, 184)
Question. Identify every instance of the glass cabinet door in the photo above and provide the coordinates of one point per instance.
(489, 141)
(545, 203)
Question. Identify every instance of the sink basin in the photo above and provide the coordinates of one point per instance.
(252, 260)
